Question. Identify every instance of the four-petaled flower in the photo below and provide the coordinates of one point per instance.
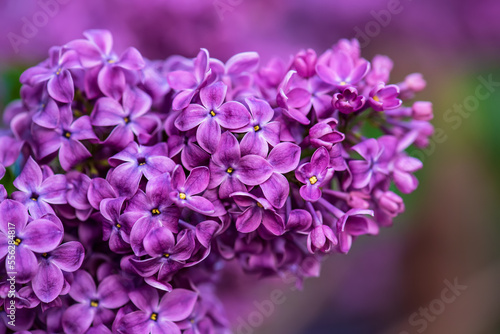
(232, 171)
(94, 304)
(211, 115)
(156, 316)
(40, 236)
(314, 175)
(184, 191)
(38, 192)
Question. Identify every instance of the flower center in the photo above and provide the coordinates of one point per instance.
(94, 303)
(212, 113)
(118, 225)
(376, 98)
(192, 321)
(259, 205)
(256, 128)
(34, 197)
(126, 120)
(45, 255)
(141, 161)
(167, 255)
(17, 241)
(111, 61)
(343, 83)
(313, 179)
(155, 212)
(67, 134)
(230, 170)
(59, 70)
(182, 196)
(154, 316)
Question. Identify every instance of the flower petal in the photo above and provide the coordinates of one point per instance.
(61, 88)
(177, 305)
(30, 178)
(253, 170)
(48, 282)
(284, 157)
(233, 115)
(112, 293)
(197, 180)
(69, 256)
(208, 135)
(42, 236)
(77, 318)
(276, 189)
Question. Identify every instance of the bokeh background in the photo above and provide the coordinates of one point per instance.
(451, 229)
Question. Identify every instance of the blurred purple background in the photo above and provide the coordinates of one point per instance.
(451, 227)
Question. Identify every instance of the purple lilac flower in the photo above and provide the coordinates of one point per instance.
(37, 192)
(283, 158)
(127, 119)
(157, 316)
(106, 71)
(256, 212)
(321, 237)
(66, 138)
(314, 175)
(211, 115)
(167, 255)
(261, 131)
(56, 73)
(384, 97)
(353, 224)
(136, 161)
(281, 172)
(348, 101)
(184, 191)
(342, 69)
(49, 281)
(231, 172)
(184, 143)
(366, 172)
(189, 82)
(37, 236)
(325, 134)
(94, 304)
(115, 229)
(150, 209)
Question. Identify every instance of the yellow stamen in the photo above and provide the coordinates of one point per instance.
(259, 205)
(155, 212)
(67, 134)
(111, 61)
(94, 303)
(192, 321)
(182, 196)
(376, 98)
(126, 119)
(166, 255)
(44, 254)
(59, 71)
(212, 113)
(230, 170)
(33, 199)
(256, 128)
(313, 179)
(118, 225)
(17, 241)
(154, 316)
(343, 83)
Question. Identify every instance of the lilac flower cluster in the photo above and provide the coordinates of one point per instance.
(140, 179)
